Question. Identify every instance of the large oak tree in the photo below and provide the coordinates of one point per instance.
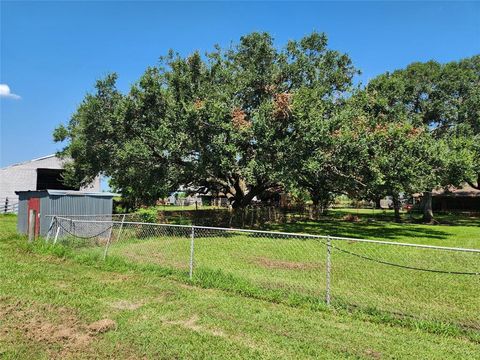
(223, 123)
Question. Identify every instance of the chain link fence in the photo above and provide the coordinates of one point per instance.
(398, 279)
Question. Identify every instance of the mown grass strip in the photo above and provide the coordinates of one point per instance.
(218, 279)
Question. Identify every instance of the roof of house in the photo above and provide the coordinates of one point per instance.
(464, 191)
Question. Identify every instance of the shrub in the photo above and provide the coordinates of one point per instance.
(147, 215)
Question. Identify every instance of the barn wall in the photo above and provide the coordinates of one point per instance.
(23, 177)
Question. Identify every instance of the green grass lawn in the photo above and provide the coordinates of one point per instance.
(49, 298)
(451, 230)
(284, 267)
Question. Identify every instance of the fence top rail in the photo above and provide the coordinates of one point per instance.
(278, 233)
(65, 216)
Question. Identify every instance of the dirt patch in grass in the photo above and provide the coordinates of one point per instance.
(282, 264)
(115, 278)
(102, 326)
(62, 285)
(126, 305)
(68, 334)
(32, 322)
(192, 324)
(49, 327)
(373, 354)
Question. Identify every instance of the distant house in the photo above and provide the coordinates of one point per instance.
(465, 198)
(37, 174)
(186, 196)
(179, 198)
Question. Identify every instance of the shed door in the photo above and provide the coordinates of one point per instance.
(34, 204)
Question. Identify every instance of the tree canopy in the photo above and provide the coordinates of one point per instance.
(444, 98)
(224, 123)
(254, 117)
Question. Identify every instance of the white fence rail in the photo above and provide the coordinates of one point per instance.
(400, 279)
(8, 206)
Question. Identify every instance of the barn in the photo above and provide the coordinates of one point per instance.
(37, 174)
(44, 203)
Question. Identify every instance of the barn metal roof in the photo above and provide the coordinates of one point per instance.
(70, 193)
(29, 161)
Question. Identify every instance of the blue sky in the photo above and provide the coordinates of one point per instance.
(52, 52)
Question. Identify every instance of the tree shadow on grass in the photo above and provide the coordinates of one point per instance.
(458, 220)
(412, 217)
(371, 224)
(380, 225)
(363, 229)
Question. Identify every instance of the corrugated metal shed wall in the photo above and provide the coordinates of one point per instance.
(22, 219)
(61, 205)
(72, 205)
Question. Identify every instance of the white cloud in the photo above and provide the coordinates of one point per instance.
(5, 92)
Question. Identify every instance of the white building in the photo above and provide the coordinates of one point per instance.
(37, 174)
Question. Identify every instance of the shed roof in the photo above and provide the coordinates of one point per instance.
(69, 192)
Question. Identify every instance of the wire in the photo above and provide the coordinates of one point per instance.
(334, 247)
(405, 266)
(84, 237)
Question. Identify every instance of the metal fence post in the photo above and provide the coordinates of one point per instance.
(121, 228)
(328, 268)
(56, 234)
(192, 240)
(109, 241)
(54, 219)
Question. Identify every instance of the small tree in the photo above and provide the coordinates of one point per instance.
(404, 160)
(328, 150)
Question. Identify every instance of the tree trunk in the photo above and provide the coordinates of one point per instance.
(321, 202)
(475, 185)
(240, 198)
(427, 207)
(396, 207)
(325, 204)
(315, 208)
